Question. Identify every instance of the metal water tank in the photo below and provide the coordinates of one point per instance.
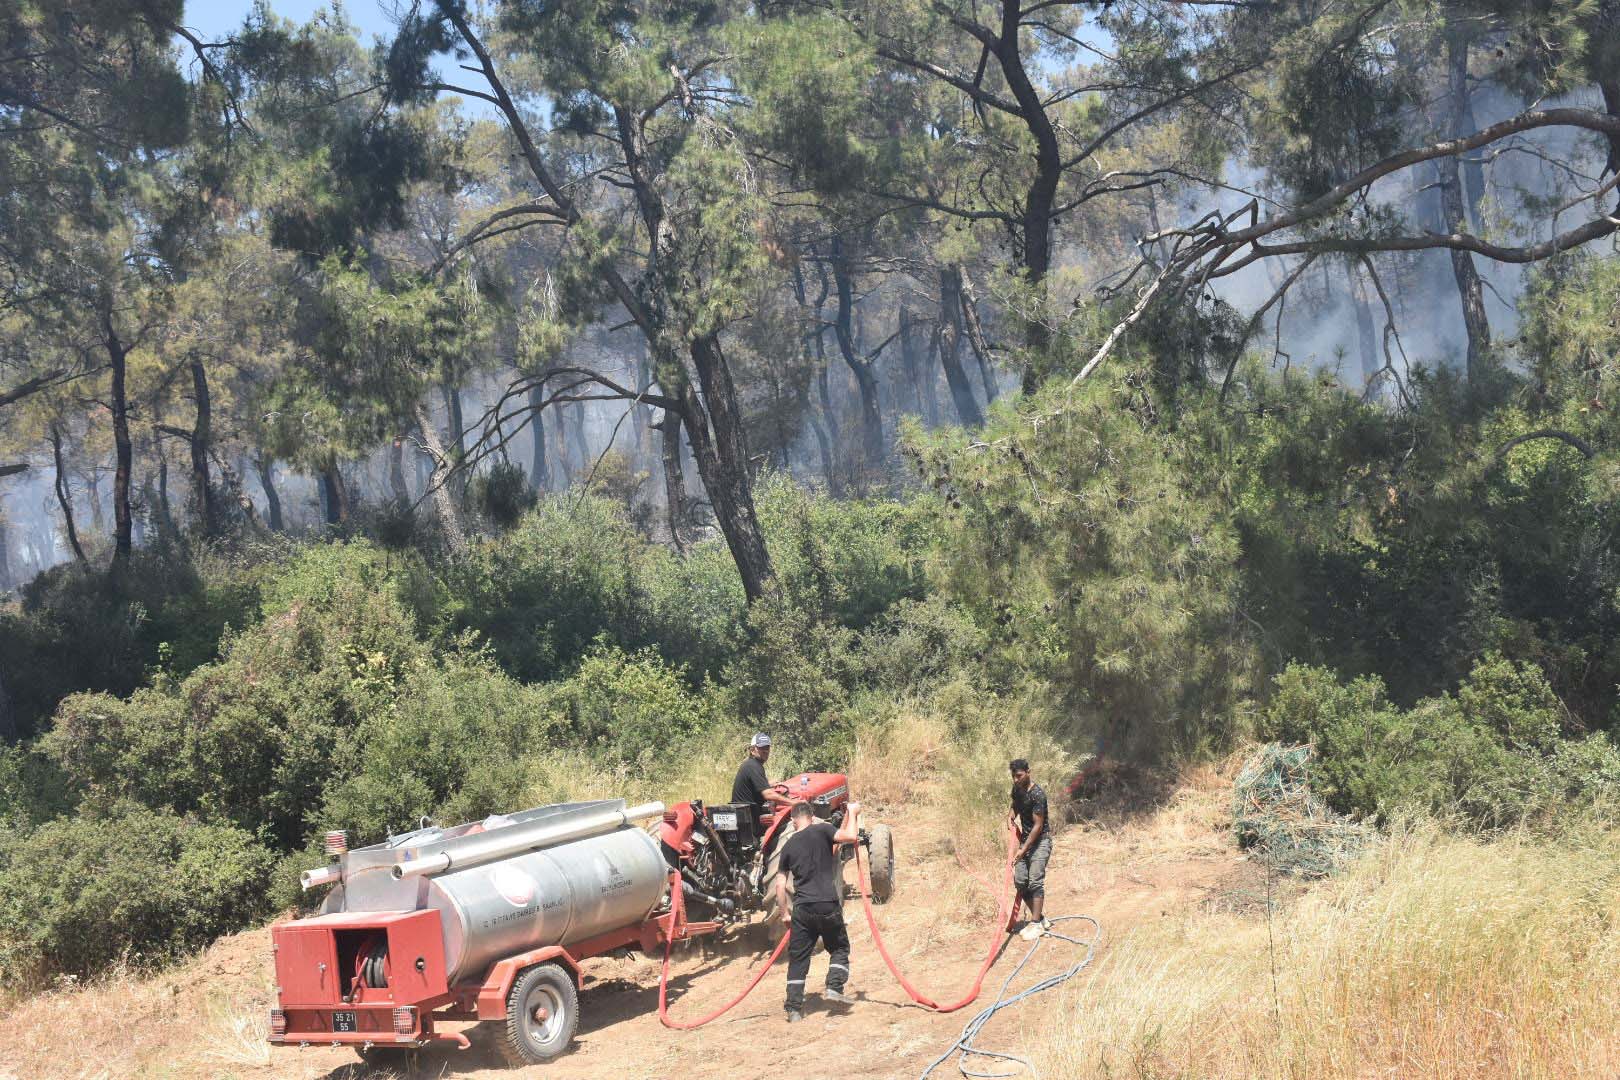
(554, 875)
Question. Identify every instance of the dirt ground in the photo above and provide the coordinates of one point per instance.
(207, 1018)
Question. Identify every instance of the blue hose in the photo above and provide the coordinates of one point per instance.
(964, 1042)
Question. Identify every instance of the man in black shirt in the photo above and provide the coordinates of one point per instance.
(1028, 815)
(809, 856)
(751, 785)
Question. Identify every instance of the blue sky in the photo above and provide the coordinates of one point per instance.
(215, 19)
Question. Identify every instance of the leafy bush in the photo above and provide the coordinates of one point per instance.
(569, 572)
(1100, 551)
(80, 893)
(629, 707)
(1492, 753)
(449, 740)
(503, 494)
(254, 738)
(79, 629)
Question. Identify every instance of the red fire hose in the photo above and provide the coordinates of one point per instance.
(679, 903)
(997, 932)
(1003, 911)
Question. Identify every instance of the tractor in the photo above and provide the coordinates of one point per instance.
(728, 853)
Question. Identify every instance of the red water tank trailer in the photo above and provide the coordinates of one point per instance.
(485, 921)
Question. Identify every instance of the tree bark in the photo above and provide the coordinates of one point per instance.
(1471, 291)
(1041, 195)
(64, 499)
(975, 335)
(457, 447)
(396, 472)
(669, 427)
(539, 475)
(266, 467)
(950, 347)
(202, 434)
(1366, 333)
(444, 503)
(5, 565)
(722, 462)
(337, 495)
(582, 447)
(8, 716)
(872, 446)
(124, 455)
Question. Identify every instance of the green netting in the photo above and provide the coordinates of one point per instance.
(1281, 822)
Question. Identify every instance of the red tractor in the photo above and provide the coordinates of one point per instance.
(727, 854)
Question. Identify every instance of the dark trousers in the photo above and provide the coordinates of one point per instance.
(822, 922)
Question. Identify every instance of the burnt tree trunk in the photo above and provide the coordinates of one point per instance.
(669, 428)
(123, 450)
(865, 377)
(1470, 289)
(64, 498)
(202, 434)
(950, 347)
(539, 475)
(8, 716)
(266, 467)
(336, 494)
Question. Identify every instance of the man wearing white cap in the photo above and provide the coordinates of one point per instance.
(751, 785)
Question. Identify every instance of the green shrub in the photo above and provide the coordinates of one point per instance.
(1492, 752)
(629, 707)
(255, 738)
(32, 789)
(569, 572)
(80, 893)
(451, 741)
(503, 494)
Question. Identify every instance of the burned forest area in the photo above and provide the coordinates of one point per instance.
(1097, 522)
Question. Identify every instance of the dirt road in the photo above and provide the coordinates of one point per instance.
(206, 1019)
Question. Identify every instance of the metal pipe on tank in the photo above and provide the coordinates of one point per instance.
(491, 846)
(324, 875)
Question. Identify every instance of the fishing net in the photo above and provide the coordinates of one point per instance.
(1282, 823)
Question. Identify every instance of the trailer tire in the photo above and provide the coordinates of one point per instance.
(880, 860)
(530, 1040)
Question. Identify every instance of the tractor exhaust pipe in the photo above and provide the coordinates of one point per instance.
(504, 843)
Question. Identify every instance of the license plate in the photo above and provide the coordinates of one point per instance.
(725, 821)
(344, 1020)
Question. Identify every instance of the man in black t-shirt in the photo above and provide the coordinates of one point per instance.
(751, 785)
(810, 857)
(1029, 816)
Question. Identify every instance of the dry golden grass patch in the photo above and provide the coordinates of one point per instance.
(1436, 956)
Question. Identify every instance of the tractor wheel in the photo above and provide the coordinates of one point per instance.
(880, 860)
(767, 884)
(392, 1059)
(542, 1012)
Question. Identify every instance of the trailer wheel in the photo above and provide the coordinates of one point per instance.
(542, 1012)
(880, 859)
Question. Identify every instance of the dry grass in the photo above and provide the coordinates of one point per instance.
(206, 1017)
(1435, 956)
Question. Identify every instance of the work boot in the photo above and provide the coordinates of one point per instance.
(794, 1016)
(837, 997)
